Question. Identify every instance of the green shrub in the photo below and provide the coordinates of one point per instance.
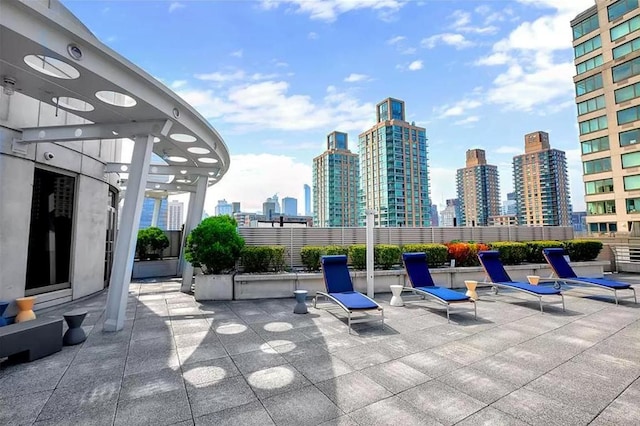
(358, 256)
(465, 254)
(511, 253)
(436, 253)
(582, 250)
(310, 256)
(386, 255)
(214, 245)
(151, 241)
(535, 248)
(335, 250)
(263, 258)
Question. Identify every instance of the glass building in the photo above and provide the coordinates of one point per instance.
(335, 184)
(307, 200)
(290, 206)
(148, 206)
(394, 178)
(478, 190)
(541, 183)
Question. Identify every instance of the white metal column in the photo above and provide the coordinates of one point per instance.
(127, 234)
(194, 216)
(370, 215)
(156, 211)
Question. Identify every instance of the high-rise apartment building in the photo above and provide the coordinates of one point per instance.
(541, 183)
(478, 190)
(335, 184)
(235, 207)
(175, 216)
(606, 40)
(450, 213)
(290, 206)
(509, 206)
(223, 208)
(307, 200)
(269, 209)
(394, 178)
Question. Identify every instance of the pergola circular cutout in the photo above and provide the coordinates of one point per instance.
(198, 150)
(52, 67)
(177, 159)
(207, 160)
(116, 98)
(73, 104)
(182, 137)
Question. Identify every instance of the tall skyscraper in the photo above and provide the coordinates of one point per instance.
(509, 206)
(175, 217)
(235, 207)
(335, 184)
(154, 213)
(307, 200)
(434, 215)
(223, 208)
(274, 199)
(394, 178)
(541, 183)
(606, 46)
(290, 206)
(478, 190)
(269, 209)
(450, 213)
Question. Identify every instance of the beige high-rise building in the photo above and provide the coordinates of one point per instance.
(541, 183)
(606, 40)
(478, 190)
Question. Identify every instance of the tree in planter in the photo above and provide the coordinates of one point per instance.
(214, 245)
(151, 242)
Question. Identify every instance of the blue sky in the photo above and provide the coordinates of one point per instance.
(275, 77)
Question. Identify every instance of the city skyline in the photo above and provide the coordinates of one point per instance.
(476, 74)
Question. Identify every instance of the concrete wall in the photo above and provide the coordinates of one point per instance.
(85, 161)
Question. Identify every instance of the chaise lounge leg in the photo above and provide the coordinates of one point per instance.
(349, 322)
(615, 295)
(448, 321)
(635, 299)
(475, 310)
(562, 295)
(540, 300)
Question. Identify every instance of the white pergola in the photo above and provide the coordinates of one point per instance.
(48, 55)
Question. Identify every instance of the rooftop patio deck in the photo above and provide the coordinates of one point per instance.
(256, 363)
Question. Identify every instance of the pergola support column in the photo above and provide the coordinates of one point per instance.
(156, 211)
(194, 216)
(127, 234)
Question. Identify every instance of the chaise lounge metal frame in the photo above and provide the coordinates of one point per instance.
(564, 273)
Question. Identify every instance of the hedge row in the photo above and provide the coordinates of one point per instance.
(263, 258)
(465, 254)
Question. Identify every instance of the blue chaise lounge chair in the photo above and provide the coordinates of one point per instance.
(340, 290)
(490, 261)
(565, 274)
(422, 283)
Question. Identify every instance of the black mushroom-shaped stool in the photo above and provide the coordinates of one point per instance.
(75, 334)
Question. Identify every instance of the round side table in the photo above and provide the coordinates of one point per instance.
(396, 298)
(75, 334)
(3, 307)
(471, 289)
(301, 306)
(25, 308)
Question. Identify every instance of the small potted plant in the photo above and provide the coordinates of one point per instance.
(151, 242)
(214, 246)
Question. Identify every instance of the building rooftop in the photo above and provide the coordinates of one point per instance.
(178, 361)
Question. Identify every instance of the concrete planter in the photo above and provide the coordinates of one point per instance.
(255, 286)
(155, 268)
(310, 281)
(214, 287)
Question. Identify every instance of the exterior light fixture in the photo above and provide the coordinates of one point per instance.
(74, 51)
(8, 85)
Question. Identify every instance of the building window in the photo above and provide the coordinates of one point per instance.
(603, 227)
(589, 84)
(601, 207)
(52, 209)
(597, 166)
(593, 125)
(625, 28)
(631, 183)
(630, 137)
(631, 159)
(587, 47)
(628, 115)
(585, 27)
(633, 205)
(599, 186)
(626, 70)
(595, 145)
(591, 105)
(627, 93)
(621, 7)
(625, 49)
(589, 64)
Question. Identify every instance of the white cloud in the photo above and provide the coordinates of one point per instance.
(221, 77)
(312, 36)
(176, 6)
(355, 78)
(415, 66)
(284, 176)
(329, 10)
(269, 105)
(462, 23)
(396, 40)
(456, 40)
(408, 51)
(238, 53)
(178, 84)
(506, 149)
(469, 120)
(458, 109)
(498, 58)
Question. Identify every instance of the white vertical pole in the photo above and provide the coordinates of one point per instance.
(156, 211)
(185, 231)
(370, 243)
(128, 234)
(194, 216)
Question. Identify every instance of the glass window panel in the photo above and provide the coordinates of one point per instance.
(631, 182)
(625, 28)
(630, 137)
(621, 7)
(627, 115)
(630, 160)
(585, 27)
